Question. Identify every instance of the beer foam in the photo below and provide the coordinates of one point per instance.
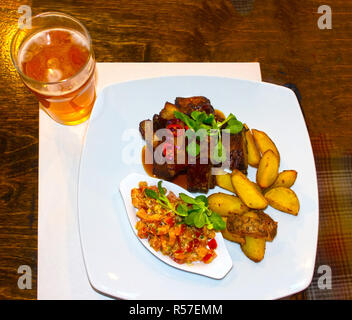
(79, 39)
(43, 38)
(54, 75)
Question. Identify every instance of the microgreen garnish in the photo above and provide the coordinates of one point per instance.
(195, 211)
(200, 215)
(201, 120)
(193, 148)
(160, 197)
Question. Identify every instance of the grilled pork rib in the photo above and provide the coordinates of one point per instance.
(199, 175)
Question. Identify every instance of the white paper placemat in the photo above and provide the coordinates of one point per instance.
(61, 270)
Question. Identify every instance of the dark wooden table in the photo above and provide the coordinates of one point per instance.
(282, 35)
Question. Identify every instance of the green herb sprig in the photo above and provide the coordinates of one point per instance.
(195, 211)
(201, 120)
(160, 197)
(199, 214)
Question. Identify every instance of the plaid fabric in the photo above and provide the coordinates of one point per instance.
(335, 222)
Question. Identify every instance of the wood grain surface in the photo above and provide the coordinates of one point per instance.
(282, 35)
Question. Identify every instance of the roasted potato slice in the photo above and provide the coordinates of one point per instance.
(257, 187)
(253, 152)
(247, 191)
(285, 179)
(168, 111)
(264, 143)
(252, 224)
(224, 181)
(268, 169)
(283, 199)
(226, 204)
(231, 236)
(254, 248)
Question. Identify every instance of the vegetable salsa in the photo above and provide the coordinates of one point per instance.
(166, 229)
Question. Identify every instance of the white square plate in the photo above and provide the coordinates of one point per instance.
(119, 265)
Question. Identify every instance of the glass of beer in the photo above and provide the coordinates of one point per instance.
(55, 60)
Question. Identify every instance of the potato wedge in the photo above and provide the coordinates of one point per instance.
(257, 187)
(247, 191)
(253, 152)
(231, 236)
(254, 224)
(264, 143)
(268, 169)
(226, 204)
(168, 111)
(224, 181)
(285, 179)
(254, 248)
(283, 199)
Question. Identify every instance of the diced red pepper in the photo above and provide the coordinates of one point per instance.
(175, 128)
(179, 241)
(183, 228)
(212, 244)
(179, 261)
(190, 246)
(170, 221)
(168, 150)
(207, 257)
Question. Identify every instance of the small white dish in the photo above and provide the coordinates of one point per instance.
(217, 269)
